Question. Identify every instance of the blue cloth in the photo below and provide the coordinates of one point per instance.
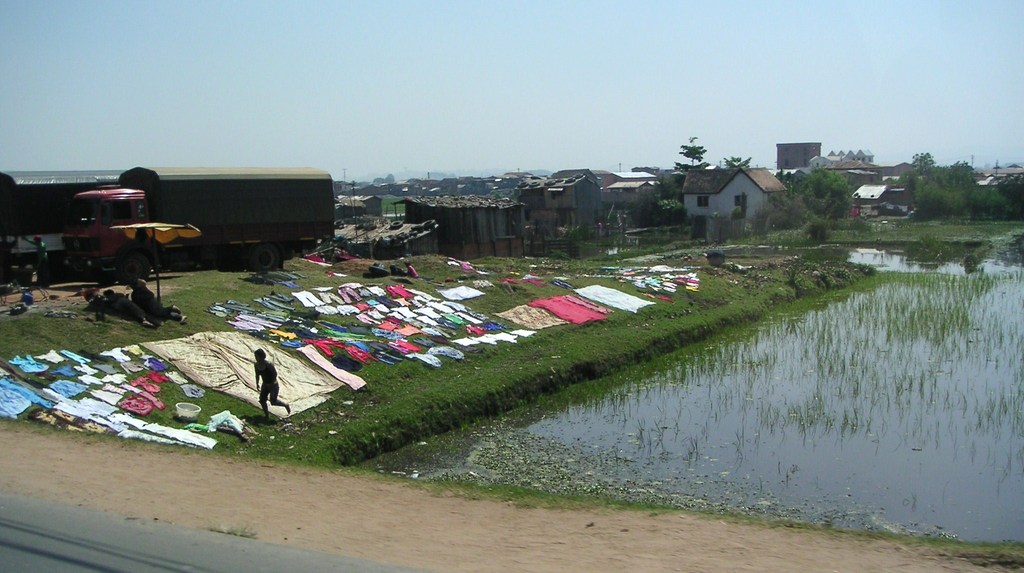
(360, 345)
(334, 327)
(75, 357)
(12, 403)
(27, 393)
(28, 364)
(66, 371)
(67, 388)
(155, 364)
(386, 334)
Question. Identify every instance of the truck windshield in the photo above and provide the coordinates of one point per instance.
(82, 212)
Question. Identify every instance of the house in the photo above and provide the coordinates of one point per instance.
(856, 175)
(881, 200)
(713, 196)
(568, 198)
(895, 171)
(625, 193)
(833, 158)
(471, 226)
(349, 206)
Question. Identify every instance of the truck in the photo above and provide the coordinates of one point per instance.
(36, 203)
(254, 218)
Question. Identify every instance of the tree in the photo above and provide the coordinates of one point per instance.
(693, 152)
(733, 162)
(663, 206)
(827, 194)
(1012, 190)
(923, 164)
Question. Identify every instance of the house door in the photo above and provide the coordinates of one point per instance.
(699, 227)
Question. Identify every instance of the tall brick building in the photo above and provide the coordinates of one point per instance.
(795, 155)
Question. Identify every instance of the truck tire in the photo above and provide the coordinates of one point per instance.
(263, 258)
(133, 265)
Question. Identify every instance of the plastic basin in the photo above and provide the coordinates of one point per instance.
(187, 412)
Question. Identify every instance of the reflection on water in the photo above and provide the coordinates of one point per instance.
(1007, 259)
(900, 409)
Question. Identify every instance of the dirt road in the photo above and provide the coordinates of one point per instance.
(401, 523)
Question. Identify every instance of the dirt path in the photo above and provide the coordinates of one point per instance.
(398, 523)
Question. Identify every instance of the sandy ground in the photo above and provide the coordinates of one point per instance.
(400, 523)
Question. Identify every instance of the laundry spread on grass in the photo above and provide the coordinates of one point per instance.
(659, 278)
(340, 330)
(223, 361)
(571, 308)
(317, 337)
(72, 396)
(613, 298)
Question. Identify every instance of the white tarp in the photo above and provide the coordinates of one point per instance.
(613, 298)
(224, 362)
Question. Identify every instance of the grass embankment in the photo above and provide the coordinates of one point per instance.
(408, 402)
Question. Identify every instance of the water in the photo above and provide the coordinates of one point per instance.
(900, 409)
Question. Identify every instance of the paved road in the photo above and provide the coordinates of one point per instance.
(38, 535)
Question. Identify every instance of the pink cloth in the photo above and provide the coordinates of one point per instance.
(565, 308)
(351, 380)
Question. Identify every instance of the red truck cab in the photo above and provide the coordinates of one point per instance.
(91, 243)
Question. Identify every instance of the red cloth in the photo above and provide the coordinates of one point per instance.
(146, 384)
(136, 405)
(359, 354)
(565, 308)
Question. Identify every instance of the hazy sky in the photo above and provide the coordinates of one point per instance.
(363, 89)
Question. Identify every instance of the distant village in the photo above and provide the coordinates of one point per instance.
(520, 213)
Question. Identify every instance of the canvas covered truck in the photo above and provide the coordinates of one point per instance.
(36, 203)
(251, 218)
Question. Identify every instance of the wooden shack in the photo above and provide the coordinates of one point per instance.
(470, 227)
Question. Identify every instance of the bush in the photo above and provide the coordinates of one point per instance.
(818, 230)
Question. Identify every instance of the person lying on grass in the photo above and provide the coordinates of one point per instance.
(147, 301)
(118, 303)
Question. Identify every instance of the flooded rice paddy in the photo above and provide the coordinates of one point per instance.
(899, 409)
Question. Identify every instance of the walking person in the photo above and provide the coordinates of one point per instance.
(42, 263)
(269, 389)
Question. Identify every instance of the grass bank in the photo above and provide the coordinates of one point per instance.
(409, 402)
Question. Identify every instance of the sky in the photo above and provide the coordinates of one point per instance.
(364, 89)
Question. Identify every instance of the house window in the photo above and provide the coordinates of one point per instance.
(738, 200)
(702, 200)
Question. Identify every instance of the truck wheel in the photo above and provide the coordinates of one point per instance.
(133, 266)
(264, 258)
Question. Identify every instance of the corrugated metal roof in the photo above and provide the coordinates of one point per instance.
(633, 175)
(869, 191)
(464, 201)
(629, 184)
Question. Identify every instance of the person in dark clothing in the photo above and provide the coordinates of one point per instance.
(117, 302)
(269, 389)
(146, 300)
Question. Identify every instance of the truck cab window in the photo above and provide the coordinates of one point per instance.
(121, 210)
(82, 213)
(140, 210)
